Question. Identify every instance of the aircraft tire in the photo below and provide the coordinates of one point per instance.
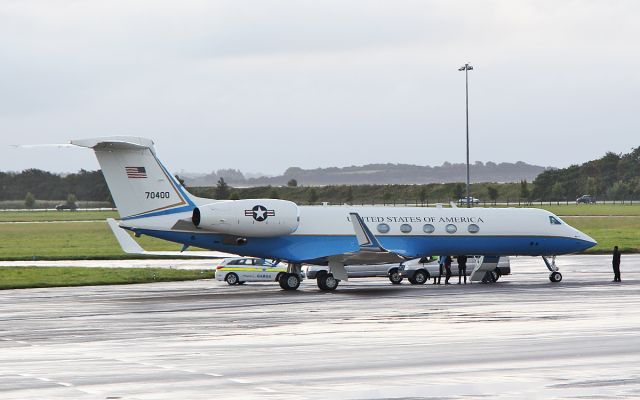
(495, 275)
(281, 281)
(232, 278)
(555, 277)
(395, 277)
(327, 282)
(489, 277)
(320, 280)
(289, 281)
(420, 277)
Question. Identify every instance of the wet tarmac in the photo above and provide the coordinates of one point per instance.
(523, 337)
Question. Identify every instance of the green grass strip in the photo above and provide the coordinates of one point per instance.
(40, 277)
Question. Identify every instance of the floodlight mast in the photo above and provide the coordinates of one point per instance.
(466, 68)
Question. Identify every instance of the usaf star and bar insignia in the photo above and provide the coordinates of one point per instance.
(259, 213)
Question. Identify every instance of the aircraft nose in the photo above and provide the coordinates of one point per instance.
(589, 242)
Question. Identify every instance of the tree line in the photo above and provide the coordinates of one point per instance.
(43, 185)
(367, 194)
(611, 177)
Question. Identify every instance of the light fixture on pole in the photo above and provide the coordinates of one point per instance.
(466, 68)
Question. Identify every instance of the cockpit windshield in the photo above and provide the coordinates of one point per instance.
(554, 221)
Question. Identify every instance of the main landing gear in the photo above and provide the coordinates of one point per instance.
(291, 279)
(554, 275)
(326, 281)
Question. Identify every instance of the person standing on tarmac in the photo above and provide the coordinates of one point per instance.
(436, 279)
(447, 268)
(616, 264)
(462, 269)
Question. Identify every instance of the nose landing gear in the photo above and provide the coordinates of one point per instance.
(554, 276)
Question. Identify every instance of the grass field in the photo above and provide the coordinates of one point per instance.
(90, 240)
(40, 216)
(66, 240)
(592, 209)
(34, 277)
(623, 232)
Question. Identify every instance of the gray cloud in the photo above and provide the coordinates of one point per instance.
(261, 86)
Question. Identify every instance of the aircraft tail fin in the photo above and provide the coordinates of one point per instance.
(139, 184)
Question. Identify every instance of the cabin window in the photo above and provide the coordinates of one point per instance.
(383, 228)
(451, 228)
(554, 221)
(473, 228)
(428, 228)
(405, 228)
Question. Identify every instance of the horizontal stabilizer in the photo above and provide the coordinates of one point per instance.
(130, 246)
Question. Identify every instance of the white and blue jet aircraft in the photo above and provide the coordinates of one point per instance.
(152, 202)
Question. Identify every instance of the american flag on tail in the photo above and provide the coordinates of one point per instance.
(136, 172)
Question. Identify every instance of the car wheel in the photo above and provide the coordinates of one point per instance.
(395, 277)
(420, 277)
(242, 282)
(231, 278)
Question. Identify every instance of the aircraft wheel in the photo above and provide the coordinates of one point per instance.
(395, 277)
(489, 277)
(495, 275)
(420, 277)
(327, 282)
(289, 281)
(555, 277)
(231, 278)
(320, 278)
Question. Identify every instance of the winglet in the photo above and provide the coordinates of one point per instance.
(125, 241)
(366, 240)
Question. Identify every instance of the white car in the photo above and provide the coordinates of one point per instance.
(361, 271)
(419, 270)
(238, 270)
(472, 200)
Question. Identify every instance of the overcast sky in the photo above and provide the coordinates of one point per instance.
(264, 85)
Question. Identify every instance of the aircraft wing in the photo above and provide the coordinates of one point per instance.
(130, 246)
(370, 247)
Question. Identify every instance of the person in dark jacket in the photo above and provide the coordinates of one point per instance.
(462, 269)
(447, 269)
(436, 279)
(616, 264)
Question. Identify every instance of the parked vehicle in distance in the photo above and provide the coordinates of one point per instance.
(472, 200)
(586, 199)
(362, 271)
(420, 270)
(238, 270)
(67, 206)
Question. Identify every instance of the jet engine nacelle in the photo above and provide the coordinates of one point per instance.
(251, 217)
